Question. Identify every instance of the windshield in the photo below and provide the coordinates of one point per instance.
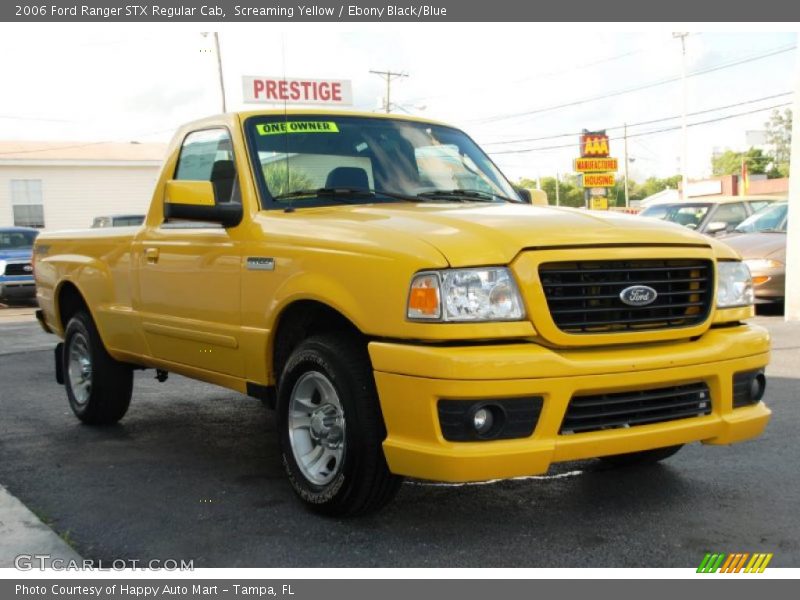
(659, 211)
(688, 215)
(298, 157)
(16, 240)
(772, 218)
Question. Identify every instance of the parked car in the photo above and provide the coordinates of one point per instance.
(710, 216)
(16, 267)
(118, 221)
(761, 240)
(404, 310)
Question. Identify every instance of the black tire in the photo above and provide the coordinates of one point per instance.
(645, 457)
(110, 382)
(361, 482)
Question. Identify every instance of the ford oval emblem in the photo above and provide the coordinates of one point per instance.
(638, 295)
(27, 268)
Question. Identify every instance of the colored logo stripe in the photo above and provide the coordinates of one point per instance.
(734, 563)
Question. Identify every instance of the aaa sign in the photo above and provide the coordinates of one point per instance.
(594, 144)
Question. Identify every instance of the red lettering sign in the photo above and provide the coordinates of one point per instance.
(297, 91)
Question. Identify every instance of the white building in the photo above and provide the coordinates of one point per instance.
(65, 185)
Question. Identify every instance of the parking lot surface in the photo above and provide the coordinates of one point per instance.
(192, 472)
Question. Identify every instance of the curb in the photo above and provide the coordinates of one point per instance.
(23, 533)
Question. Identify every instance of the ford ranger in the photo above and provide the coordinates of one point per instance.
(381, 284)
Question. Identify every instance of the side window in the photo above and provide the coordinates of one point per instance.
(757, 205)
(208, 156)
(731, 214)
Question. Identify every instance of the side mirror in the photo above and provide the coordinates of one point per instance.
(715, 227)
(525, 194)
(196, 201)
(532, 196)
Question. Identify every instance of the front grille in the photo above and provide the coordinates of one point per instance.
(584, 297)
(627, 409)
(18, 269)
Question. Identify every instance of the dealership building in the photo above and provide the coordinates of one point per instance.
(66, 185)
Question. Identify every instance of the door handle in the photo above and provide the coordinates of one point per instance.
(151, 255)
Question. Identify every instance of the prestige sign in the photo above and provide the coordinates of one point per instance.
(280, 90)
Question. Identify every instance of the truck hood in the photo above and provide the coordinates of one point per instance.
(759, 245)
(21, 254)
(474, 234)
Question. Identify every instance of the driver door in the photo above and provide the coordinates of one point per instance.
(189, 272)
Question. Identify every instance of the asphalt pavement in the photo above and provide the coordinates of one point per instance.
(192, 472)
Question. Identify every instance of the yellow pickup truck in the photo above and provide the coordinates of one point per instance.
(379, 282)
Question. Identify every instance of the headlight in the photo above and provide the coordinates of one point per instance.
(734, 285)
(484, 294)
(2, 267)
(761, 264)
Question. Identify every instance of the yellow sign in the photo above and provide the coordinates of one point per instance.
(589, 165)
(591, 180)
(598, 203)
(297, 127)
(594, 144)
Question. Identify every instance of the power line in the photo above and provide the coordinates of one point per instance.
(388, 76)
(640, 123)
(638, 88)
(13, 118)
(646, 133)
(547, 74)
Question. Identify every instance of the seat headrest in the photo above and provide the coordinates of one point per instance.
(223, 169)
(347, 177)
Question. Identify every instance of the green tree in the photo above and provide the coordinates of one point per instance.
(779, 137)
(282, 180)
(653, 185)
(569, 193)
(730, 162)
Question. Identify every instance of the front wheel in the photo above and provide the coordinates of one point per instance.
(98, 387)
(645, 457)
(331, 428)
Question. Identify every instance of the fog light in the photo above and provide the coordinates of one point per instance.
(482, 421)
(757, 387)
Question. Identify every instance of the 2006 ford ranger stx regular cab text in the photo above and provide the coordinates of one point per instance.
(380, 282)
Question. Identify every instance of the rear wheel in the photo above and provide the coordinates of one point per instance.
(646, 457)
(98, 387)
(331, 428)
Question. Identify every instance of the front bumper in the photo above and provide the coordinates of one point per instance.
(412, 378)
(17, 290)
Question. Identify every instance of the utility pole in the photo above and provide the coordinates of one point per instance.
(219, 68)
(388, 76)
(792, 302)
(558, 199)
(625, 130)
(685, 143)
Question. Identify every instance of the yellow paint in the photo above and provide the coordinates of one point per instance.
(182, 299)
(199, 193)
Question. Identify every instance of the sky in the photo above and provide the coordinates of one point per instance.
(498, 82)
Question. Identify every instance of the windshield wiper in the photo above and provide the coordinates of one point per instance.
(465, 195)
(342, 193)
